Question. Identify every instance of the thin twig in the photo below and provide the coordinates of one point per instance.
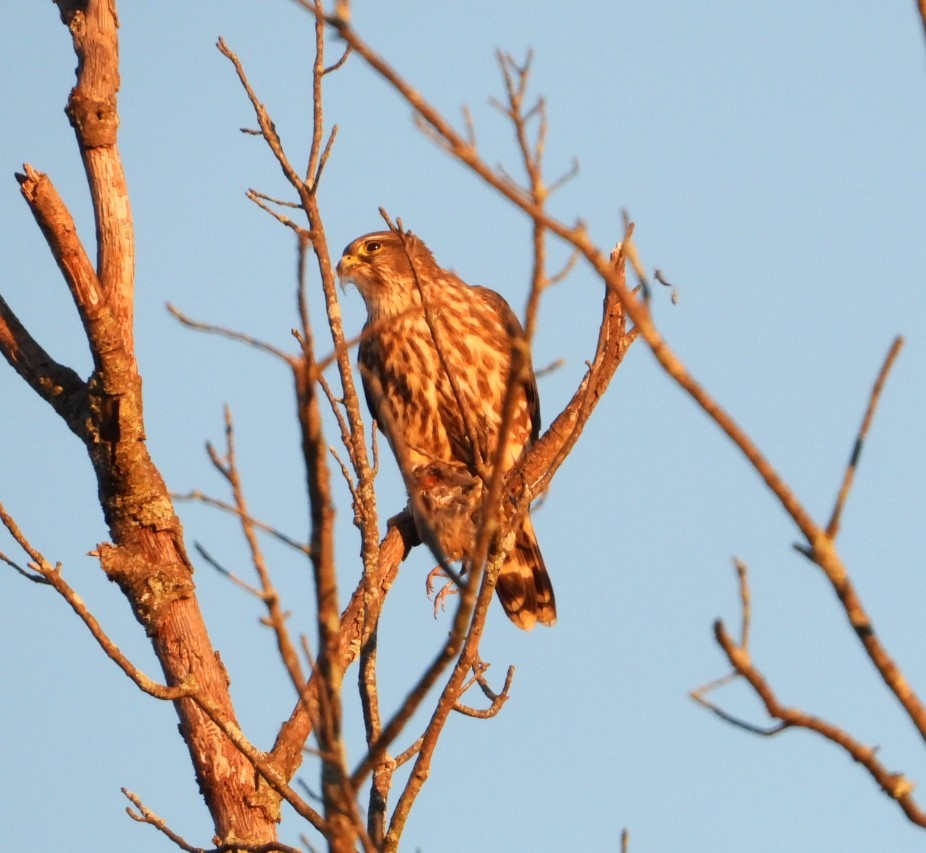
(340, 62)
(497, 699)
(895, 785)
(326, 153)
(227, 573)
(201, 326)
(742, 574)
(258, 199)
(267, 128)
(145, 815)
(633, 257)
(203, 498)
(571, 173)
(547, 369)
(832, 529)
(566, 269)
(29, 576)
(276, 617)
(699, 694)
(273, 200)
(408, 754)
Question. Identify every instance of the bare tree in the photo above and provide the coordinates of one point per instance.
(147, 557)
(361, 801)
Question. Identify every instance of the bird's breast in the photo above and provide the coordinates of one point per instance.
(441, 386)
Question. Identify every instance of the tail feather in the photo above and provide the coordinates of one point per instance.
(523, 586)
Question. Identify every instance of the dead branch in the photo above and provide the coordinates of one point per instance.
(57, 384)
(340, 806)
(382, 772)
(92, 110)
(51, 575)
(57, 226)
(29, 576)
(227, 573)
(224, 506)
(895, 785)
(261, 201)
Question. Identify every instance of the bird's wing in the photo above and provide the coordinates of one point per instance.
(370, 381)
(514, 329)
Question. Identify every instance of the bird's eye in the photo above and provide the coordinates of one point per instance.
(372, 246)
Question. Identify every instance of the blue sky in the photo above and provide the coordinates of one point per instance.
(771, 157)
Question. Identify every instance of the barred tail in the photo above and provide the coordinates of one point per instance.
(523, 586)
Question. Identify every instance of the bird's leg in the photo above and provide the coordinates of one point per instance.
(448, 588)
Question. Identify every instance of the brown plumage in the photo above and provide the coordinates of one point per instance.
(442, 430)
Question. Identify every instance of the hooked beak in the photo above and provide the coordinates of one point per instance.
(344, 269)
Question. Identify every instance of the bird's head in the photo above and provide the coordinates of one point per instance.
(378, 264)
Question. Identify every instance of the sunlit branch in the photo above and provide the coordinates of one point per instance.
(832, 529)
(895, 785)
(52, 576)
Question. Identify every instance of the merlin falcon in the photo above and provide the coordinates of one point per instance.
(434, 358)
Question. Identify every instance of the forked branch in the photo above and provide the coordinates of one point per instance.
(895, 785)
(52, 576)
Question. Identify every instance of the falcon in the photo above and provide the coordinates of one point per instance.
(434, 359)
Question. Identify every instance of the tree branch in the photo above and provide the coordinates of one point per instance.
(52, 576)
(367, 597)
(147, 557)
(895, 785)
(57, 226)
(93, 114)
(55, 383)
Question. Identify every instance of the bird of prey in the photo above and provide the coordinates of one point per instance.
(435, 358)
